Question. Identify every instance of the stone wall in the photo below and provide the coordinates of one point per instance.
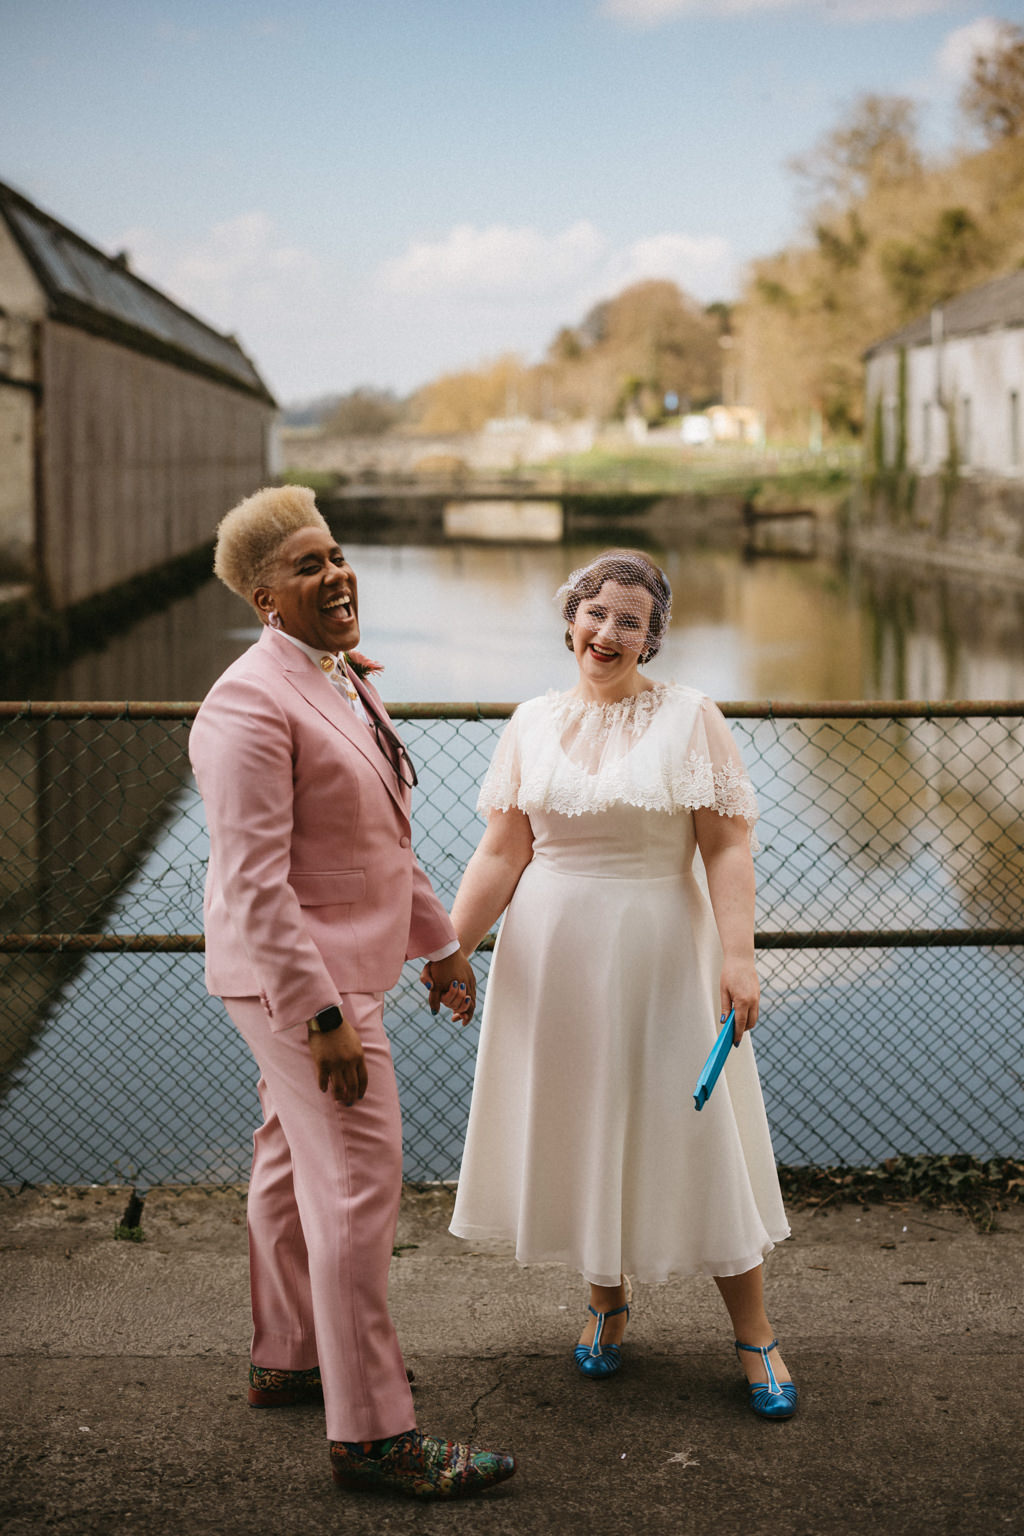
(971, 522)
(397, 456)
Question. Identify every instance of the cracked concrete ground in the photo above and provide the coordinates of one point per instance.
(122, 1401)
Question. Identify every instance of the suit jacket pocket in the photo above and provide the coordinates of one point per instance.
(328, 887)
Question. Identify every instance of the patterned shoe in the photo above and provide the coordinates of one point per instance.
(420, 1466)
(280, 1389)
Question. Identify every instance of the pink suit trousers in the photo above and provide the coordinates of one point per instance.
(323, 1209)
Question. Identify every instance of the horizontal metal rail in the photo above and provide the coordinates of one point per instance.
(734, 709)
(100, 943)
(840, 938)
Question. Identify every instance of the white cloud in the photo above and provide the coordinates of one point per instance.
(242, 277)
(480, 292)
(515, 264)
(652, 13)
(955, 57)
(702, 265)
(238, 264)
(495, 261)
(312, 327)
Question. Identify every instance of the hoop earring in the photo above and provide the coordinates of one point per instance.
(274, 619)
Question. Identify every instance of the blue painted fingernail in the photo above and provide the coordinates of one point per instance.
(722, 1018)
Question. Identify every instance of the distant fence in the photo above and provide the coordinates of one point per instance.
(890, 928)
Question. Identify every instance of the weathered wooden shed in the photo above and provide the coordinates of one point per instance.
(127, 425)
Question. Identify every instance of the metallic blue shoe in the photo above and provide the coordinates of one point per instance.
(599, 1360)
(770, 1399)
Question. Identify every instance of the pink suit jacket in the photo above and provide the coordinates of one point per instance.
(313, 889)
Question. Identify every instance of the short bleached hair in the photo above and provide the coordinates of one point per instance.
(251, 534)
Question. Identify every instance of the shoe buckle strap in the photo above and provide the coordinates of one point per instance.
(595, 1348)
(771, 1386)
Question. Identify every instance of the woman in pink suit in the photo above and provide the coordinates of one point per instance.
(314, 899)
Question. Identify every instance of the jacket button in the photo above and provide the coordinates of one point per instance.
(403, 842)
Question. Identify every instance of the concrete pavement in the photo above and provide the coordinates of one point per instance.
(122, 1402)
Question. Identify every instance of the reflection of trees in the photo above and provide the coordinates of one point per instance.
(937, 634)
(892, 823)
(84, 800)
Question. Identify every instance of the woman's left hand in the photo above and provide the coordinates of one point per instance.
(452, 983)
(741, 990)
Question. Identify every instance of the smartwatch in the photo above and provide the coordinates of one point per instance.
(325, 1021)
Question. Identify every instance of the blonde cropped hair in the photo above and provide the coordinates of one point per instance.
(250, 535)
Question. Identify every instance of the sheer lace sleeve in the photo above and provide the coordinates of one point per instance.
(500, 790)
(720, 782)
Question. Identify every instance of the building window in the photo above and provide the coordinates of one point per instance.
(965, 430)
(1014, 429)
(889, 436)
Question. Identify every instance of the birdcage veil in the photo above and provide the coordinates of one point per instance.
(639, 599)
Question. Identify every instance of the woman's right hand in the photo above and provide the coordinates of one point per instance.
(339, 1063)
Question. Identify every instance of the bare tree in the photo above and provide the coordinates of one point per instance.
(874, 146)
(993, 98)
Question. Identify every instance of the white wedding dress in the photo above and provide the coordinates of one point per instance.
(583, 1143)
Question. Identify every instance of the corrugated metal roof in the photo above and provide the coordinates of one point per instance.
(987, 307)
(99, 293)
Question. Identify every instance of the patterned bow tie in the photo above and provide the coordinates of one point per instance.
(338, 673)
(388, 742)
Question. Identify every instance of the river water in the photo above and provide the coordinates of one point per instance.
(153, 1085)
(471, 621)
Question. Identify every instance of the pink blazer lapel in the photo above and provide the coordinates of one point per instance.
(376, 711)
(325, 699)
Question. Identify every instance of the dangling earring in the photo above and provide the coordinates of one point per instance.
(274, 619)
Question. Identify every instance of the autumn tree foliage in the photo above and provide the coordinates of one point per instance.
(364, 412)
(888, 237)
(631, 351)
(466, 401)
(624, 357)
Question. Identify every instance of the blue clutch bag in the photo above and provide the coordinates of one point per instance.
(713, 1066)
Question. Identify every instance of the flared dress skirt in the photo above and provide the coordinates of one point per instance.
(583, 1144)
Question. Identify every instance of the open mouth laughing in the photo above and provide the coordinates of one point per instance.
(339, 607)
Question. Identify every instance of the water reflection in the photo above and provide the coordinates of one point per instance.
(473, 621)
(864, 825)
(84, 802)
(500, 522)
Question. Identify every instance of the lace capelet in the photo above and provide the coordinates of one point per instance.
(667, 749)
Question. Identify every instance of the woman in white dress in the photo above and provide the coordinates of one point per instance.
(618, 845)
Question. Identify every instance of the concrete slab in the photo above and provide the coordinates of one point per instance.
(123, 1407)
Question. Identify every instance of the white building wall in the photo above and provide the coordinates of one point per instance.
(978, 381)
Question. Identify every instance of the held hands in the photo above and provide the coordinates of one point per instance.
(339, 1063)
(739, 988)
(452, 983)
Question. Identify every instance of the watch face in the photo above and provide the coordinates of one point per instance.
(328, 1019)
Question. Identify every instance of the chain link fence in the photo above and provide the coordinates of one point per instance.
(890, 930)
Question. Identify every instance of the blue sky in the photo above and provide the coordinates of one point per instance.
(375, 191)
